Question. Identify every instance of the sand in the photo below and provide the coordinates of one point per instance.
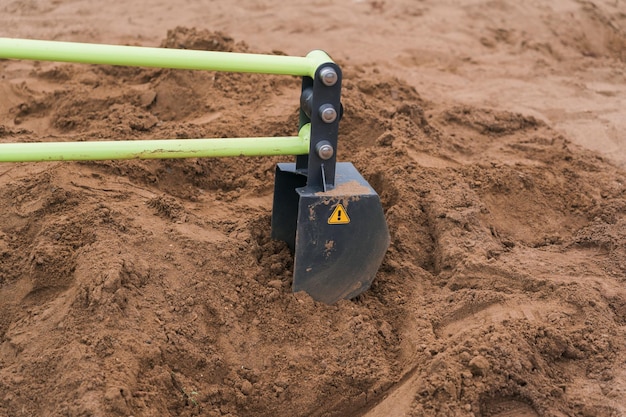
(492, 130)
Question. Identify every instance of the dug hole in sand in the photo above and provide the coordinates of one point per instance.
(153, 288)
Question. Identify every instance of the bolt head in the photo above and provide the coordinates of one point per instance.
(325, 151)
(329, 76)
(328, 113)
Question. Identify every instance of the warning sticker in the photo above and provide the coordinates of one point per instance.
(339, 216)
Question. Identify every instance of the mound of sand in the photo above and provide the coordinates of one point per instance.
(152, 288)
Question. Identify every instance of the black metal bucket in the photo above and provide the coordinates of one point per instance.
(338, 237)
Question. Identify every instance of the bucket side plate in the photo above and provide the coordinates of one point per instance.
(285, 206)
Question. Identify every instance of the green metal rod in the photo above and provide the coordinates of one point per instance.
(156, 149)
(137, 56)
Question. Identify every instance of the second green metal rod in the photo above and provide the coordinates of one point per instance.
(156, 149)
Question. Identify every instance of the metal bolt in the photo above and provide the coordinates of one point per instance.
(327, 113)
(324, 150)
(329, 76)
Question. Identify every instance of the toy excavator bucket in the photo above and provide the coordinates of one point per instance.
(338, 237)
(330, 217)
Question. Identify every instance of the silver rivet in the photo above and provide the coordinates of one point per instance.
(329, 76)
(324, 150)
(328, 113)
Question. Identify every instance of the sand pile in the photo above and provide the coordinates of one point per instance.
(152, 288)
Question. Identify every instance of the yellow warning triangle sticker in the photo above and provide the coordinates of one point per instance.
(339, 216)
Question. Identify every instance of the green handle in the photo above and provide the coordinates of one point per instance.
(156, 149)
(138, 56)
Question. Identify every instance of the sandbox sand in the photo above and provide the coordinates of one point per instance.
(492, 130)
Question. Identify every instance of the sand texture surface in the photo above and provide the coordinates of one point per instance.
(492, 130)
